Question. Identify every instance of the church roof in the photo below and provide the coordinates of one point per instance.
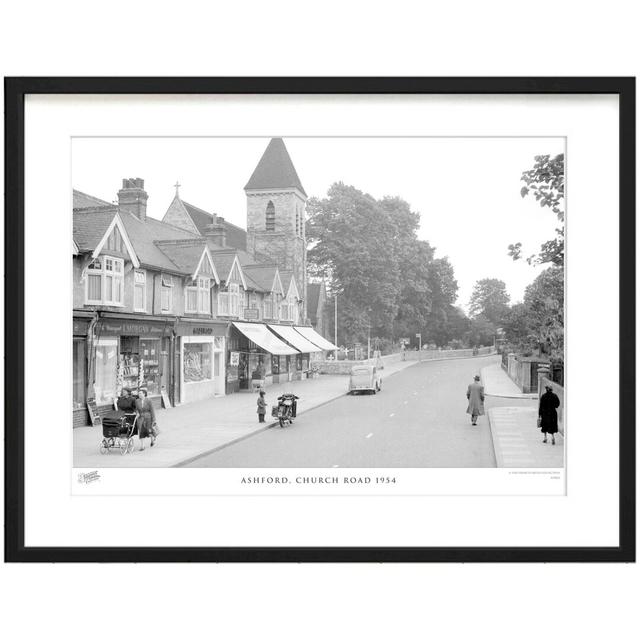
(275, 169)
(236, 237)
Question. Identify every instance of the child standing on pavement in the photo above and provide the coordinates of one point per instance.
(262, 407)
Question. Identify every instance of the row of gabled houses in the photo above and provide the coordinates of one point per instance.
(191, 306)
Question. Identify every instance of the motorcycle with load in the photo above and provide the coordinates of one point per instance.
(285, 410)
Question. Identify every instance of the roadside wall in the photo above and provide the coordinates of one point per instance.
(543, 381)
(343, 367)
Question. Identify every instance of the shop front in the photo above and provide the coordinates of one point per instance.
(132, 353)
(201, 360)
(312, 336)
(81, 325)
(298, 366)
(262, 358)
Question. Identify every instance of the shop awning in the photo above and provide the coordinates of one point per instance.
(259, 334)
(313, 336)
(294, 338)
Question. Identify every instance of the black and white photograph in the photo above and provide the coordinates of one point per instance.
(318, 302)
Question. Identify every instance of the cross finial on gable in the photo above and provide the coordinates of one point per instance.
(177, 185)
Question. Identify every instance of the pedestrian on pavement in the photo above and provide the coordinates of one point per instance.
(262, 406)
(548, 414)
(147, 419)
(475, 396)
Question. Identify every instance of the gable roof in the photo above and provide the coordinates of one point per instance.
(264, 275)
(313, 297)
(224, 259)
(187, 256)
(288, 281)
(89, 227)
(275, 169)
(144, 236)
(83, 200)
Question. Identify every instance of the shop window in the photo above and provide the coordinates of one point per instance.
(105, 281)
(150, 364)
(106, 370)
(166, 294)
(140, 291)
(79, 372)
(197, 362)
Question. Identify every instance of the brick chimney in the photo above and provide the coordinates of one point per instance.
(216, 231)
(132, 198)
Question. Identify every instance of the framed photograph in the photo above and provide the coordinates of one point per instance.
(320, 319)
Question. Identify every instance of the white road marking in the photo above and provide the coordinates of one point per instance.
(391, 415)
(335, 466)
(369, 435)
(405, 402)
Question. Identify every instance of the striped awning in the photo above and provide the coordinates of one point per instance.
(294, 338)
(313, 336)
(260, 334)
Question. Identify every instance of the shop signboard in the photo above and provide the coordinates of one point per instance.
(251, 314)
(201, 329)
(234, 358)
(109, 327)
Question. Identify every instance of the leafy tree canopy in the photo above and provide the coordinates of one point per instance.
(490, 300)
(545, 182)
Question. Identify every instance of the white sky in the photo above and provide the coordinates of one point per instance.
(467, 190)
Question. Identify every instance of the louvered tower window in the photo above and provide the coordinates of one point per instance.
(270, 222)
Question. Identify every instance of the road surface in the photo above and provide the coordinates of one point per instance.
(417, 420)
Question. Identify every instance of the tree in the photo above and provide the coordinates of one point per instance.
(368, 251)
(386, 278)
(544, 301)
(545, 181)
(490, 301)
(481, 332)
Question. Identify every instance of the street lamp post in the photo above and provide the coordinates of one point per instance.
(419, 336)
(335, 319)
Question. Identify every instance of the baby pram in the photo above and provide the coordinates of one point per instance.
(118, 429)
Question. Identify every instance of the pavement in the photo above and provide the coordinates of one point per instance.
(518, 441)
(513, 417)
(193, 429)
(497, 383)
(418, 420)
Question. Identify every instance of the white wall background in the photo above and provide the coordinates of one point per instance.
(329, 38)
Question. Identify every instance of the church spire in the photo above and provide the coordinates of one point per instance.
(275, 170)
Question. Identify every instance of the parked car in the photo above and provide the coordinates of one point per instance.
(365, 377)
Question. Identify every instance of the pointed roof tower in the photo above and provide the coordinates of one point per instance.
(275, 170)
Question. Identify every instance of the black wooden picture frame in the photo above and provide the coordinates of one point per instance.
(15, 91)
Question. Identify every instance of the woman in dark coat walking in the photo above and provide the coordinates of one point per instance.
(147, 419)
(548, 414)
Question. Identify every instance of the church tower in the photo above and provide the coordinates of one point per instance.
(276, 203)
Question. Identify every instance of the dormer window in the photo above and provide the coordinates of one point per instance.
(105, 281)
(234, 299)
(199, 296)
